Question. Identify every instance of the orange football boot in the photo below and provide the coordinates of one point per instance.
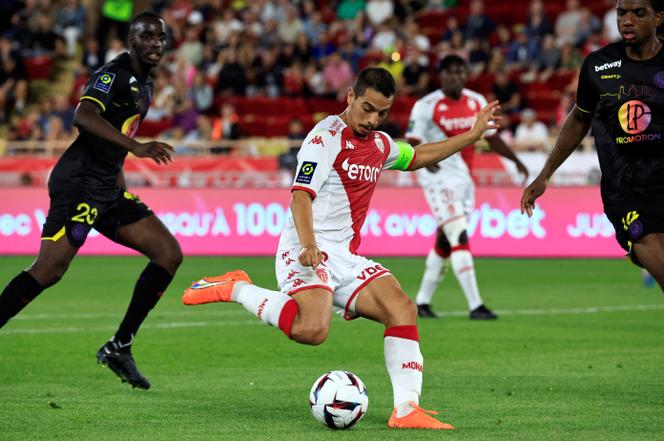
(417, 419)
(214, 289)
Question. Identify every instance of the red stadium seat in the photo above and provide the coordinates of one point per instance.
(38, 67)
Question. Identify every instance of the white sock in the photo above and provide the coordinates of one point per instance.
(464, 270)
(263, 303)
(434, 270)
(404, 366)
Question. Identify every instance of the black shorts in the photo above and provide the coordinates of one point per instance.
(75, 212)
(632, 224)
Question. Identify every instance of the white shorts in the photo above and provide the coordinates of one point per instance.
(450, 200)
(342, 273)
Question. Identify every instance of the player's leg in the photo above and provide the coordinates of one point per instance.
(49, 267)
(463, 266)
(649, 251)
(434, 271)
(383, 301)
(132, 224)
(301, 309)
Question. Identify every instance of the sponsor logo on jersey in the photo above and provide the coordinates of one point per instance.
(104, 82)
(462, 123)
(370, 271)
(317, 140)
(360, 172)
(306, 172)
(322, 275)
(611, 77)
(412, 365)
(349, 145)
(333, 132)
(634, 116)
(606, 66)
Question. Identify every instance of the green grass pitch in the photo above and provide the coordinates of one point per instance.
(577, 354)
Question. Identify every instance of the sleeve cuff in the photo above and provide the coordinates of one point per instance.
(95, 100)
(307, 189)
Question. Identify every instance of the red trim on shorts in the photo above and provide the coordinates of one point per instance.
(308, 190)
(287, 316)
(359, 288)
(462, 247)
(325, 287)
(408, 332)
(441, 252)
(452, 219)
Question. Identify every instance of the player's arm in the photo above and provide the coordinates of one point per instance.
(310, 255)
(431, 153)
(88, 118)
(574, 129)
(497, 145)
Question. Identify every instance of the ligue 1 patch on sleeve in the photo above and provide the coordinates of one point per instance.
(104, 81)
(306, 172)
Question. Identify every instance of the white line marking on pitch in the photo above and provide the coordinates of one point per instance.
(221, 322)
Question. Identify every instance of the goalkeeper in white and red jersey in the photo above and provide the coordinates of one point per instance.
(317, 267)
(448, 186)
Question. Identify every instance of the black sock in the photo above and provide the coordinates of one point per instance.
(17, 294)
(149, 288)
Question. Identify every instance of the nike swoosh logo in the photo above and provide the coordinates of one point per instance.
(205, 284)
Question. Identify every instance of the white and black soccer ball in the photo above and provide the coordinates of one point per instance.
(338, 399)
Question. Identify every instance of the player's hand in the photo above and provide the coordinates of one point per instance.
(159, 152)
(521, 168)
(311, 256)
(531, 193)
(487, 119)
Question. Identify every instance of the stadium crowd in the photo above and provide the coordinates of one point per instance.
(224, 55)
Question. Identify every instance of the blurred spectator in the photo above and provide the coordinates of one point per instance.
(348, 9)
(393, 63)
(570, 58)
(549, 58)
(610, 22)
(291, 27)
(564, 107)
(64, 111)
(296, 133)
(56, 130)
(451, 26)
(478, 24)
(269, 75)
(270, 35)
(294, 81)
(588, 24)
(225, 26)
(13, 81)
(507, 92)
(337, 75)
(415, 77)
(202, 94)
(477, 57)
(115, 14)
(523, 50)
(115, 48)
(314, 82)
(324, 47)
(568, 23)
(43, 38)
(379, 11)
(225, 127)
(70, 23)
(538, 24)
(314, 26)
(531, 135)
(191, 49)
(91, 56)
(414, 37)
(27, 127)
(385, 38)
(594, 42)
(232, 78)
(163, 103)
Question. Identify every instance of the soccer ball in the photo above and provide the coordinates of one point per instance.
(338, 399)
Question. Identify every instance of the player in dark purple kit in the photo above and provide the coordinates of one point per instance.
(87, 190)
(621, 94)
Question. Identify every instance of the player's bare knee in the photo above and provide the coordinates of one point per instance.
(310, 333)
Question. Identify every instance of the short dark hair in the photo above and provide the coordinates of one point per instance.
(657, 5)
(450, 61)
(376, 78)
(147, 15)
